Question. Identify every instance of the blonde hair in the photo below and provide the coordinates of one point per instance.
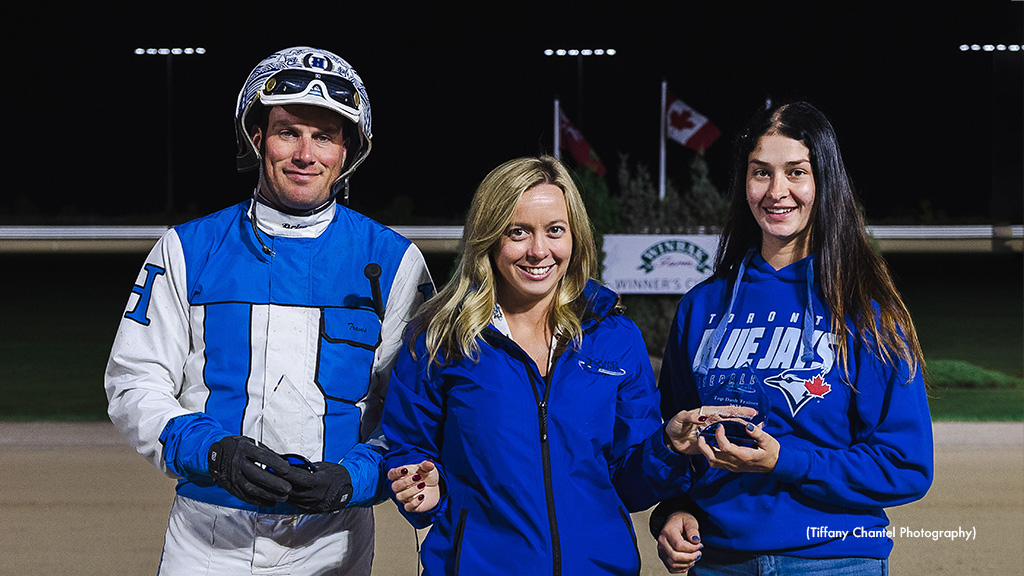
(454, 319)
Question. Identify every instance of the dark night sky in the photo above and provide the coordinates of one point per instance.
(458, 87)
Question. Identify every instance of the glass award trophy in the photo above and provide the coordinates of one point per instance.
(741, 388)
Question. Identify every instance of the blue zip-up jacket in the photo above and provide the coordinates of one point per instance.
(540, 473)
(846, 451)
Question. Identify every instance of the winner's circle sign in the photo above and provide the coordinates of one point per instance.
(657, 264)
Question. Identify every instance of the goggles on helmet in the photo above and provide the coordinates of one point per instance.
(310, 76)
(285, 86)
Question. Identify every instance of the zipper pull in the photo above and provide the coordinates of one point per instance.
(542, 409)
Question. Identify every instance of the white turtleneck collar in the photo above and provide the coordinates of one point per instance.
(282, 225)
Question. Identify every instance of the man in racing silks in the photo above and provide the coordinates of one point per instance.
(254, 353)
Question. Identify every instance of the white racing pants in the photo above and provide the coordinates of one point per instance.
(205, 539)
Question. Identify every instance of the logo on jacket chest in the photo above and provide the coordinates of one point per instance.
(776, 352)
(602, 367)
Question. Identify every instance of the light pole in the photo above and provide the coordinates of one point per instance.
(170, 53)
(579, 54)
(998, 204)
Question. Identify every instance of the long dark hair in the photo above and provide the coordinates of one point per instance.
(854, 278)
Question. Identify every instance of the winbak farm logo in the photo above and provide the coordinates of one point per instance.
(701, 258)
(657, 264)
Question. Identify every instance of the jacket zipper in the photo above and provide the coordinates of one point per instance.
(632, 534)
(460, 528)
(545, 449)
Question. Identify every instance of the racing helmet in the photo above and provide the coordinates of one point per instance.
(304, 75)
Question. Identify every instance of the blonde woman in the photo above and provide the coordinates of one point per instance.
(523, 415)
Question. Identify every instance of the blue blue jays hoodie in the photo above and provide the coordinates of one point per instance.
(540, 473)
(848, 448)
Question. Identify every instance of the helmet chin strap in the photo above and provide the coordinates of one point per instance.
(340, 188)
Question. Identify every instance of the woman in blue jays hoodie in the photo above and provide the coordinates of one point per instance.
(799, 300)
(523, 417)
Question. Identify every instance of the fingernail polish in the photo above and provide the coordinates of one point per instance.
(420, 497)
(695, 538)
(421, 485)
(697, 558)
(750, 427)
(416, 478)
(702, 419)
(405, 471)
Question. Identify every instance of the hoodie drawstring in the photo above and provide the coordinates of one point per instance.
(807, 333)
(719, 333)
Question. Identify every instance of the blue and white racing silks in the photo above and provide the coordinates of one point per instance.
(220, 338)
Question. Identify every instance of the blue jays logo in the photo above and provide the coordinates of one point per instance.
(800, 385)
(603, 367)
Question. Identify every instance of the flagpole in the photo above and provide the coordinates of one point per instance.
(661, 143)
(558, 132)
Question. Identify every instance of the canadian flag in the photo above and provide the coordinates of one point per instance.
(573, 141)
(687, 126)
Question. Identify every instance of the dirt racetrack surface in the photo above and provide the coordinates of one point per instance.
(76, 499)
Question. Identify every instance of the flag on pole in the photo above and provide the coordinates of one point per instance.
(572, 140)
(558, 130)
(687, 126)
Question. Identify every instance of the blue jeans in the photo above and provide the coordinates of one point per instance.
(723, 563)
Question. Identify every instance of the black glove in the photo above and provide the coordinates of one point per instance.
(248, 471)
(328, 488)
